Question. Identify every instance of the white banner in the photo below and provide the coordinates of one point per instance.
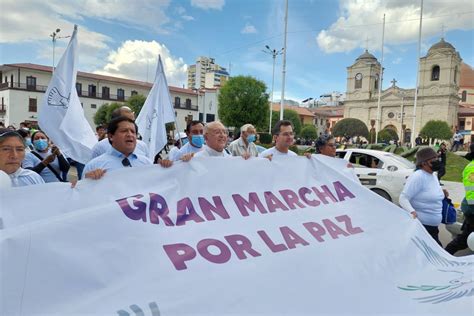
(222, 236)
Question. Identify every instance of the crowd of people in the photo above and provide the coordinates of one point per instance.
(31, 158)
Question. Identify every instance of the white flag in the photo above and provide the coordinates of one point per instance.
(155, 113)
(61, 115)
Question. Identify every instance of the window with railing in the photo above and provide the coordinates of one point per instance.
(93, 106)
(177, 101)
(33, 105)
(120, 94)
(92, 91)
(105, 93)
(134, 92)
(30, 83)
(79, 88)
(188, 103)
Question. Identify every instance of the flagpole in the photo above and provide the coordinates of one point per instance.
(284, 63)
(380, 83)
(417, 79)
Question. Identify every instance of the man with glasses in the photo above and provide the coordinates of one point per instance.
(12, 153)
(245, 145)
(215, 135)
(284, 137)
(122, 135)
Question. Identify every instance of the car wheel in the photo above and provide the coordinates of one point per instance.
(383, 194)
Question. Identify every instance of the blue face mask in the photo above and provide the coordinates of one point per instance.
(40, 144)
(198, 140)
(184, 141)
(251, 138)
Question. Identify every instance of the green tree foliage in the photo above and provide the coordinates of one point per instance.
(350, 127)
(309, 132)
(436, 130)
(265, 138)
(100, 117)
(135, 102)
(387, 135)
(243, 100)
(288, 115)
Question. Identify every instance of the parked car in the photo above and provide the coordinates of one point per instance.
(382, 172)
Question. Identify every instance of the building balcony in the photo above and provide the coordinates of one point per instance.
(184, 107)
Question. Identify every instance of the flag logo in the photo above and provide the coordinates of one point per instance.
(55, 98)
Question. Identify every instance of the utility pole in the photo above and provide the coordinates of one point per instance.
(55, 37)
(284, 63)
(274, 54)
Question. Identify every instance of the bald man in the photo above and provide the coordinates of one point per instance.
(215, 135)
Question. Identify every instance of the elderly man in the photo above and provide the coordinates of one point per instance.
(104, 145)
(215, 135)
(12, 153)
(284, 137)
(194, 132)
(122, 134)
(244, 146)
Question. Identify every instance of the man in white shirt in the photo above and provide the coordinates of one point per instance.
(244, 145)
(104, 145)
(215, 135)
(195, 133)
(283, 137)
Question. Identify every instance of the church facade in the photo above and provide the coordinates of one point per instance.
(438, 97)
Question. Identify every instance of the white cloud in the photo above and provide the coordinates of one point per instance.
(397, 61)
(248, 29)
(360, 20)
(134, 59)
(187, 18)
(208, 4)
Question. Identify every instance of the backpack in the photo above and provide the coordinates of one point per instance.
(448, 213)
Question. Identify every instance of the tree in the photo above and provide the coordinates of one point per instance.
(100, 117)
(135, 102)
(309, 132)
(289, 115)
(350, 127)
(243, 100)
(436, 130)
(387, 135)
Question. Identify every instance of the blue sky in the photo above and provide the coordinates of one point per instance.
(123, 38)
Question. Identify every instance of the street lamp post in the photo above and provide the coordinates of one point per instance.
(55, 36)
(274, 54)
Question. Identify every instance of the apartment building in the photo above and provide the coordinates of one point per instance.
(206, 74)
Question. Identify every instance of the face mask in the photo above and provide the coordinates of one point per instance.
(184, 141)
(198, 140)
(28, 142)
(435, 165)
(40, 144)
(251, 138)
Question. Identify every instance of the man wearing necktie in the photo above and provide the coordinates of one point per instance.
(122, 135)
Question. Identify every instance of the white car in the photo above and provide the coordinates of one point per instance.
(382, 172)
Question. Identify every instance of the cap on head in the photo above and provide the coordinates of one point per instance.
(425, 154)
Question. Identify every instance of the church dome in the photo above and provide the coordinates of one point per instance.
(366, 56)
(441, 45)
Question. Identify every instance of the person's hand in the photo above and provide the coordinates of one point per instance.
(95, 174)
(73, 184)
(413, 214)
(446, 193)
(269, 157)
(246, 155)
(49, 159)
(165, 163)
(187, 157)
(55, 150)
(307, 155)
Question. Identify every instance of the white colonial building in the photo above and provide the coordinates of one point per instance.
(22, 88)
(437, 95)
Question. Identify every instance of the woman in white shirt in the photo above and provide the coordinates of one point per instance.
(12, 153)
(422, 195)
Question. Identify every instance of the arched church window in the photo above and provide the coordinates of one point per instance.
(435, 73)
(376, 83)
(358, 81)
(464, 96)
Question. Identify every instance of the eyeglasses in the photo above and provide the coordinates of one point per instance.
(286, 134)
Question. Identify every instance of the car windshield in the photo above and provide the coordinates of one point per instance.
(407, 163)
